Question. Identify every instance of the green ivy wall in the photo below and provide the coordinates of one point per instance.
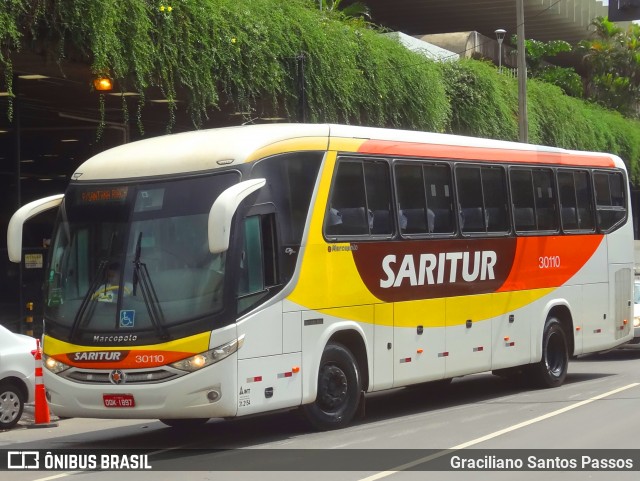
(209, 52)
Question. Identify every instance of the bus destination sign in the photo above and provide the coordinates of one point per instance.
(103, 195)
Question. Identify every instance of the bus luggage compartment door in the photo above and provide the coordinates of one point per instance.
(621, 300)
(269, 382)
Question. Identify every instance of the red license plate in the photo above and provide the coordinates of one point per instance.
(118, 400)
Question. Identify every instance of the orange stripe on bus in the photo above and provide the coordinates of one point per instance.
(549, 261)
(131, 359)
(483, 153)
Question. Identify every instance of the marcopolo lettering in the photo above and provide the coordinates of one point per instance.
(115, 338)
(431, 269)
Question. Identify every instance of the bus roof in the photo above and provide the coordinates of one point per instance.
(206, 150)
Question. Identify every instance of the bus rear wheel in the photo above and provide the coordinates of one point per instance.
(339, 388)
(551, 371)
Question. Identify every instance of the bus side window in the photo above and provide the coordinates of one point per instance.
(523, 201)
(576, 210)
(437, 178)
(495, 199)
(258, 263)
(411, 199)
(378, 190)
(360, 201)
(469, 184)
(534, 199)
(483, 199)
(346, 215)
(610, 199)
(425, 198)
(583, 198)
(568, 203)
(545, 199)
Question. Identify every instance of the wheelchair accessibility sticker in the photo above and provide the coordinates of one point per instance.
(127, 318)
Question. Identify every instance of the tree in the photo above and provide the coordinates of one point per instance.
(612, 59)
(537, 52)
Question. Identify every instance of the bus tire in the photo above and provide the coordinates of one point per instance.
(184, 423)
(339, 387)
(551, 371)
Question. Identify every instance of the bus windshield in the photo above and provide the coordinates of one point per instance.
(133, 259)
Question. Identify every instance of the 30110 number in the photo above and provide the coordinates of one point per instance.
(548, 262)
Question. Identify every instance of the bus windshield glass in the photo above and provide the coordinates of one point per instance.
(133, 259)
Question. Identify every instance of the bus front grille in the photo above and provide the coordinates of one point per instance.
(131, 376)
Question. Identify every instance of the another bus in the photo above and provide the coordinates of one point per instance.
(234, 271)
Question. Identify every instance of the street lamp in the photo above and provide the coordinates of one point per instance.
(500, 33)
(523, 119)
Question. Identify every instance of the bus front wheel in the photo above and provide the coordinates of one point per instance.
(551, 371)
(339, 388)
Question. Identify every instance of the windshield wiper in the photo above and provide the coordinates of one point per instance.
(97, 280)
(141, 276)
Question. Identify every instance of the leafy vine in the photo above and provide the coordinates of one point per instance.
(257, 56)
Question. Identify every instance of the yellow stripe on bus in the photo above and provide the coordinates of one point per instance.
(488, 306)
(441, 312)
(290, 145)
(193, 344)
(345, 145)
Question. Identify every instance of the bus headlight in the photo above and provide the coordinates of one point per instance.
(636, 321)
(55, 366)
(209, 357)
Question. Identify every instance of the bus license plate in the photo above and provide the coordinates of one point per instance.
(118, 400)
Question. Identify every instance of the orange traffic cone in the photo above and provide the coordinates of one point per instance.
(42, 415)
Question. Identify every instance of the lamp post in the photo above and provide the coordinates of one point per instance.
(523, 121)
(500, 33)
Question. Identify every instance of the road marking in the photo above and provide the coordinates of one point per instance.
(404, 467)
(61, 475)
(425, 459)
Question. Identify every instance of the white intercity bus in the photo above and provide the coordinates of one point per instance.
(234, 271)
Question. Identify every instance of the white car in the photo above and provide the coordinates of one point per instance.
(17, 375)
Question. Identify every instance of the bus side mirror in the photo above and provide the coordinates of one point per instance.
(222, 210)
(23, 214)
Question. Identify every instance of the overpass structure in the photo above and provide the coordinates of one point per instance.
(545, 20)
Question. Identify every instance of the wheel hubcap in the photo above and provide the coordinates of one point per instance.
(9, 407)
(333, 388)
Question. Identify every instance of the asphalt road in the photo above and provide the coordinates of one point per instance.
(404, 434)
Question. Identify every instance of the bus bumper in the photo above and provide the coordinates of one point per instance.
(208, 393)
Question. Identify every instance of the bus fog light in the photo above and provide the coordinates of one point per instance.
(213, 395)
